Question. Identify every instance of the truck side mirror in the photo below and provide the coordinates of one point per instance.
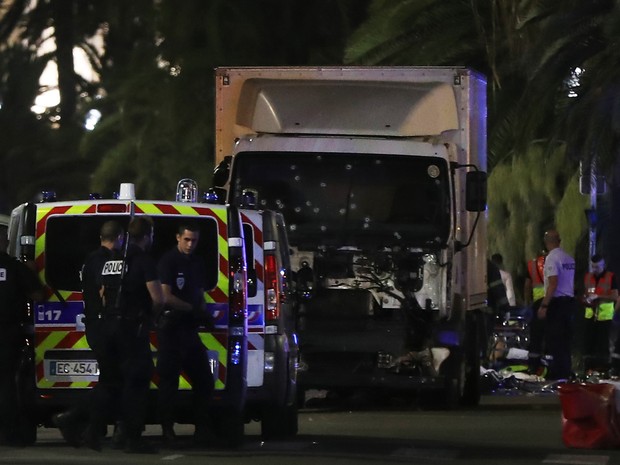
(476, 191)
(222, 172)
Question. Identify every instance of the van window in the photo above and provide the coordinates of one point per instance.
(69, 239)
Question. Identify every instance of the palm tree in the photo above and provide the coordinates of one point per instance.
(529, 103)
(158, 123)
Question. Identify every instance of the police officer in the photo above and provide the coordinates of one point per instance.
(558, 306)
(17, 284)
(131, 293)
(71, 423)
(183, 274)
(601, 293)
(112, 238)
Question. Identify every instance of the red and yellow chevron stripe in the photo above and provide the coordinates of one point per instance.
(68, 338)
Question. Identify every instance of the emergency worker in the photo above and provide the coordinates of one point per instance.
(601, 293)
(534, 288)
(183, 274)
(614, 372)
(131, 293)
(18, 283)
(533, 293)
(72, 422)
(558, 307)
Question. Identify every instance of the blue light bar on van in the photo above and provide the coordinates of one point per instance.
(48, 196)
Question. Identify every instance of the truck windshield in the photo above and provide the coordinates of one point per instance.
(342, 199)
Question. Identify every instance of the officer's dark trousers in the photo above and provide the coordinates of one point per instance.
(9, 359)
(127, 368)
(558, 336)
(108, 376)
(596, 343)
(181, 350)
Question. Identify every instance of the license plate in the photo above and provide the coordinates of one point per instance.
(74, 368)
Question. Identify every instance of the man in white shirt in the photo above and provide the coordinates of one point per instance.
(558, 306)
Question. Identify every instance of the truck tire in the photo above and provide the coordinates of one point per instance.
(279, 422)
(230, 426)
(471, 388)
(301, 397)
(448, 395)
(455, 381)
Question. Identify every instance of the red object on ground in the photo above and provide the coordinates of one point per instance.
(589, 416)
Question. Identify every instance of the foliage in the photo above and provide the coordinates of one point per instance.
(155, 86)
(159, 105)
(534, 191)
(531, 51)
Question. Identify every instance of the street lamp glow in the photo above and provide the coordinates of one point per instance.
(92, 118)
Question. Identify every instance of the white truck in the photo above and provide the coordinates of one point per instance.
(380, 173)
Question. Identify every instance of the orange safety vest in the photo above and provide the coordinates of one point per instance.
(536, 270)
(605, 311)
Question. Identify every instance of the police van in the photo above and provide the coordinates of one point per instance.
(245, 289)
(272, 338)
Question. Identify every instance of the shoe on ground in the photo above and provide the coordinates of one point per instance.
(139, 446)
(70, 429)
(204, 438)
(118, 437)
(92, 439)
(168, 436)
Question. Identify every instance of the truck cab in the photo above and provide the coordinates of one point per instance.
(380, 175)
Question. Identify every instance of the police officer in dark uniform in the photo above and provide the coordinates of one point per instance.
(17, 284)
(131, 295)
(112, 238)
(183, 274)
(72, 422)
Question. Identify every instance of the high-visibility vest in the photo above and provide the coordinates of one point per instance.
(602, 286)
(536, 270)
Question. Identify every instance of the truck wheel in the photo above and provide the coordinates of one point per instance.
(471, 388)
(455, 380)
(448, 396)
(301, 398)
(279, 422)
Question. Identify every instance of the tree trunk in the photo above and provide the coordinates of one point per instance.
(67, 79)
